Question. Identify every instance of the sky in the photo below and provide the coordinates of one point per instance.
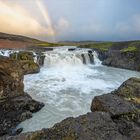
(72, 20)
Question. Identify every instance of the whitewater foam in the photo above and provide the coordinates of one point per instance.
(67, 86)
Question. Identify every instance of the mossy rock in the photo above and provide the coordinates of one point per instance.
(22, 55)
(130, 49)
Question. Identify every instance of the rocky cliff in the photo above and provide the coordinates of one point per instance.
(15, 104)
(118, 54)
(114, 116)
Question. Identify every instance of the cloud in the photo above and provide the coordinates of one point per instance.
(130, 26)
(61, 26)
(15, 19)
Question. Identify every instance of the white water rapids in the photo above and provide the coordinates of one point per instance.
(67, 86)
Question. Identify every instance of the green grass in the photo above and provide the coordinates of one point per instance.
(48, 44)
(101, 46)
(130, 49)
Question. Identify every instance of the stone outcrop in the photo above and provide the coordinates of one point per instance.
(26, 60)
(92, 126)
(120, 59)
(15, 104)
(112, 104)
(114, 116)
(11, 78)
(125, 54)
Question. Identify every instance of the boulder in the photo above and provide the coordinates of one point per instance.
(130, 91)
(113, 104)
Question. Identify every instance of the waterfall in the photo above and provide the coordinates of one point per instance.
(62, 57)
(96, 59)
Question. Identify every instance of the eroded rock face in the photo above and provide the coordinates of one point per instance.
(92, 126)
(15, 105)
(120, 59)
(16, 110)
(29, 67)
(112, 104)
(26, 60)
(124, 100)
(123, 105)
(11, 78)
(119, 119)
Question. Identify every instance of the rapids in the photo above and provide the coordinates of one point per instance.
(67, 84)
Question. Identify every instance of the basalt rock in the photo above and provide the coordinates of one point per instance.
(112, 104)
(121, 59)
(123, 105)
(92, 126)
(15, 104)
(114, 117)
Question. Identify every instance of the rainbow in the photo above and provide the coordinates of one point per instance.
(47, 18)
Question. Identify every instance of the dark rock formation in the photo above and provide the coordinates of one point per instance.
(114, 117)
(72, 49)
(113, 104)
(123, 105)
(92, 126)
(118, 54)
(15, 105)
(91, 57)
(121, 59)
(40, 58)
(11, 78)
(84, 59)
(15, 110)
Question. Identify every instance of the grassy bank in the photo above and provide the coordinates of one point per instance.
(123, 46)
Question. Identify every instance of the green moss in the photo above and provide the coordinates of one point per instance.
(130, 49)
(132, 116)
(127, 92)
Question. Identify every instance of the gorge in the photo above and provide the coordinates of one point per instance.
(67, 82)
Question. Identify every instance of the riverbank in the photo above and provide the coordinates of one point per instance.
(15, 105)
(114, 116)
(118, 54)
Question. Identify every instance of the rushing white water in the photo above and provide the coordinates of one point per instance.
(67, 86)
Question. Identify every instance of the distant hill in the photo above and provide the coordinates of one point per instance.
(105, 46)
(18, 41)
(77, 43)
